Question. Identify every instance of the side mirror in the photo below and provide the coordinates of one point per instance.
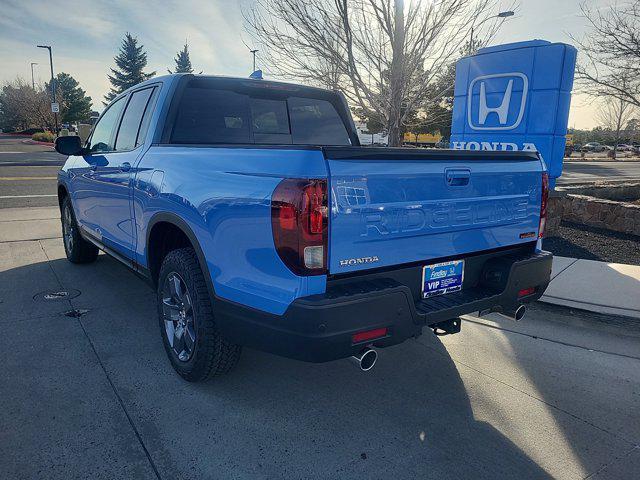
(69, 145)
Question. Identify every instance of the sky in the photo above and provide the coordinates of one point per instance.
(86, 35)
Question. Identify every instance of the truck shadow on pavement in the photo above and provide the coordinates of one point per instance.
(411, 417)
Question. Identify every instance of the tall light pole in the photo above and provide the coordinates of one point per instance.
(53, 83)
(33, 82)
(508, 13)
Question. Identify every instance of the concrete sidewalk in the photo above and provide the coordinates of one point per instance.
(600, 287)
(32, 223)
(610, 288)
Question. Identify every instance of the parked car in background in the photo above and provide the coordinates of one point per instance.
(623, 147)
(592, 147)
(259, 220)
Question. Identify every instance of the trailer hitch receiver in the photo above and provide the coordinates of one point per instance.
(447, 327)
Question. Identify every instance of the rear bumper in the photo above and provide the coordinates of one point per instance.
(319, 328)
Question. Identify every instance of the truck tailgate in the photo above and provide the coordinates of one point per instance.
(397, 206)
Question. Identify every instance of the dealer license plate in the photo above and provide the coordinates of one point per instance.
(442, 278)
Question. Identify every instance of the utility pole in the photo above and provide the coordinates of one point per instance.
(33, 82)
(254, 59)
(53, 83)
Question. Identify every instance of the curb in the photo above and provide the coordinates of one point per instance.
(601, 309)
(607, 160)
(576, 317)
(35, 142)
(28, 140)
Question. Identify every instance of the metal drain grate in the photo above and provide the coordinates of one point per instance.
(56, 295)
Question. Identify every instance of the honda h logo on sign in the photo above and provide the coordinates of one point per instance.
(499, 106)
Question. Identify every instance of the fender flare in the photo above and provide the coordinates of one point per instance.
(175, 220)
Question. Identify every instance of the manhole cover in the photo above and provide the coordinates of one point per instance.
(56, 295)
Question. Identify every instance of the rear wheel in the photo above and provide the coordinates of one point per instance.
(189, 332)
(77, 249)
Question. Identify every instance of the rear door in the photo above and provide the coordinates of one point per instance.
(398, 206)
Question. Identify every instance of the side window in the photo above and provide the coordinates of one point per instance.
(146, 118)
(101, 138)
(132, 120)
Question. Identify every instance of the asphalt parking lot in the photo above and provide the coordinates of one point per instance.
(28, 173)
(554, 396)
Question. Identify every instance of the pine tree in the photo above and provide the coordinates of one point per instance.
(75, 105)
(183, 62)
(131, 61)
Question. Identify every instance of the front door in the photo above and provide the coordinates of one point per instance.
(84, 168)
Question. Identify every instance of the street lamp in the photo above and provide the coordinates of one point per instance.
(53, 83)
(505, 14)
(33, 83)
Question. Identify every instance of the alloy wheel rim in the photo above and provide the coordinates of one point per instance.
(67, 227)
(179, 321)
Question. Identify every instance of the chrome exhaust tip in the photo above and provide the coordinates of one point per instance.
(517, 314)
(366, 359)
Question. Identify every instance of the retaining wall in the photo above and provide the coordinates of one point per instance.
(579, 205)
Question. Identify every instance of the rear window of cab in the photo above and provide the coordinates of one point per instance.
(213, 111)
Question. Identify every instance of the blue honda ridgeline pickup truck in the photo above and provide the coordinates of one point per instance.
(251, 208)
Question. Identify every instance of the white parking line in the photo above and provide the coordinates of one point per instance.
(26, 196)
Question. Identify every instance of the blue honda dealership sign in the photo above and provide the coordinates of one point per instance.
(515, 97)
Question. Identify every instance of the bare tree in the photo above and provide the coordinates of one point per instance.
(610, 52)
(23, 107)
(614, 115)
(381, 54)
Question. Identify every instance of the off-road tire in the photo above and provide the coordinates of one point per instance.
(77, 249)
(212, 355)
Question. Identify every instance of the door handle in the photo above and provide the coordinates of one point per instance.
(457, 177)
(125, 167)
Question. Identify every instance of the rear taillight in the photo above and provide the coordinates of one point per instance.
(543, 204)
(299, 223)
